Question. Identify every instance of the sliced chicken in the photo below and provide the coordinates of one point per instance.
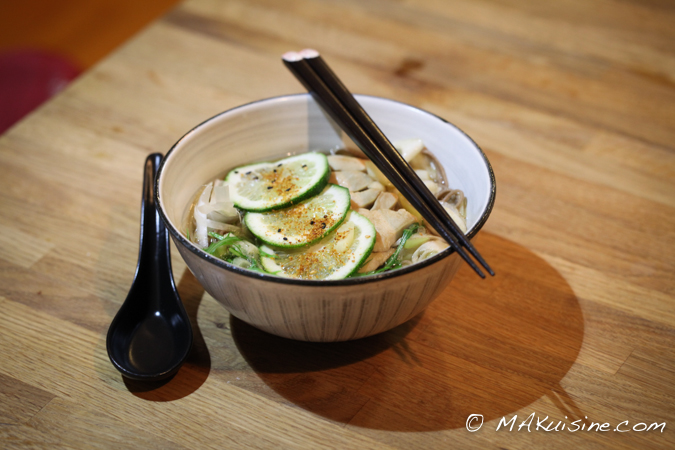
(365, 198)
(376, 185)
(385, 200)
(389, 225)
(423, 174)
(375, 260)
(455, 215)
(428, 181)
(433, 187)
(353, 179)
(409, 148)
(375, 173)
(342, 162)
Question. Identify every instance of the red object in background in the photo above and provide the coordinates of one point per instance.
(27, 79)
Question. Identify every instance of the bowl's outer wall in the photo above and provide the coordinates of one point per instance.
(320, 313)
(270, 129)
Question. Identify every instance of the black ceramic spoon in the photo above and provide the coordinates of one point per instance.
(150, 336)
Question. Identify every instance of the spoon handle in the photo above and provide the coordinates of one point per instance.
(154, 260)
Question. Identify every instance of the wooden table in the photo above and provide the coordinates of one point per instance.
(574, 104)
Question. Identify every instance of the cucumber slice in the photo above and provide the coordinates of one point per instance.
(337, 256)
(273, 185)
(304, 223)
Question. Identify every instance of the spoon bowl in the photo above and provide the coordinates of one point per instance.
(151, 335)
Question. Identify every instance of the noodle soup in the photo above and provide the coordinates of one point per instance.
(320, 216)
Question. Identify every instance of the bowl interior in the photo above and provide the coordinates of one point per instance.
(278, 127)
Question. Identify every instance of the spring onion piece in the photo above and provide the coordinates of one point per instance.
(229, 239)
(394, 261)
(237, 254)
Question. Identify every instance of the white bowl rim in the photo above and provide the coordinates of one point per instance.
(294, 281)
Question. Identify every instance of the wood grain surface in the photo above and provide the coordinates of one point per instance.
(572, 101)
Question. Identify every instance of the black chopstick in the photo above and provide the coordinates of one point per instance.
(339, 113)
(310, 69)
(319, 66)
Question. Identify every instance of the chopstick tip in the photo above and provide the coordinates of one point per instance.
(291, 56)
(309, 53)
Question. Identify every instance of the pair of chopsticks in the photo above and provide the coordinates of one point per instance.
(329, 92)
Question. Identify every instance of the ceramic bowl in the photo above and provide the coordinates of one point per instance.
(305, 309)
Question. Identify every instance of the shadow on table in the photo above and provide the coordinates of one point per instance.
(198, 363)
(487, 347)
